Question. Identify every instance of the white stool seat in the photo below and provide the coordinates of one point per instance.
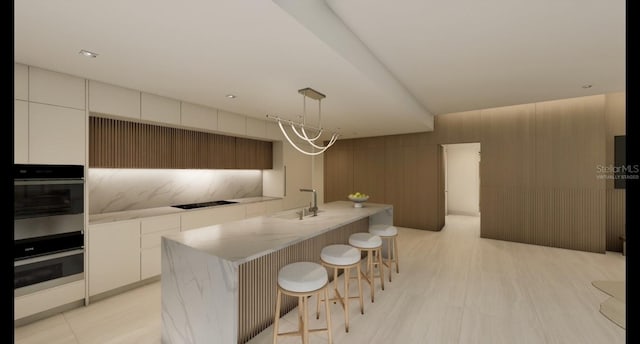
(383, 230)
(340, 255)
(364, 240)
(302, 277)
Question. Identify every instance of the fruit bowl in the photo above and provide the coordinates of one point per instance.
(358, 199)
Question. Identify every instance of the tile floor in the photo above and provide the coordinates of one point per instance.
(453, 287)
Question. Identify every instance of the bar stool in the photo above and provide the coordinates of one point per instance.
(342, 257)
(390, 234)
(372, 245)
(302, 279)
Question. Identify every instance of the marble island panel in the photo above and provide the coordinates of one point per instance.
(219, 282)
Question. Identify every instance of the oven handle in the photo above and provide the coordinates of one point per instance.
(47, 257)
(48, 181)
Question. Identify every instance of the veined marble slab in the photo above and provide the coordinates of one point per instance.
(141, 213)
(244, 240)
(200, 267)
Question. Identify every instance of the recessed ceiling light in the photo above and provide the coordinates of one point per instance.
(231, 96)
(587, 86)
(87, 53)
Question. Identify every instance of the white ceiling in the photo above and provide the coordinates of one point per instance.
(408, 59)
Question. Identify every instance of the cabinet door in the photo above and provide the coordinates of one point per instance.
(114, 255)
(210, 217)
(297, 175)
(256, 128)
(160, 109)
(55, 88)
(114, 100)
(56, 135)
(21, 81)
(20, 132)
(151, 230)
(199, 117)
(232, 123)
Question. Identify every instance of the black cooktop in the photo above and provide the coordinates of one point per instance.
(202, 205)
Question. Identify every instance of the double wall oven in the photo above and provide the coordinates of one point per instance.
(48, 226)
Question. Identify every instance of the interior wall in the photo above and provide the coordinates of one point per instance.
(539, 179)
(463, 179)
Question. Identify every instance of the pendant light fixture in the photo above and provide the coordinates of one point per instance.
(305, 132)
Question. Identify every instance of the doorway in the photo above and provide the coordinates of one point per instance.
(461, 162)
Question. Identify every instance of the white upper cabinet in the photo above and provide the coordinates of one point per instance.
(21, 82)
(199, 117)
(113, 100)
(56, 135)
(54, 88)
(232, 123)
(160, 109)
(256, 128)
(20, 132)
(273, 131)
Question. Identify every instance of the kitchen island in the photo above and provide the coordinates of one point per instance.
(219, 282)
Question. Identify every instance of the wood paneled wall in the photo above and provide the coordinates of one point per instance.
(123, 144)
(538, 169)
(615, 110)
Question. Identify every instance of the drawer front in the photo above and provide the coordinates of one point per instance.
(154, 239)
(159, 223)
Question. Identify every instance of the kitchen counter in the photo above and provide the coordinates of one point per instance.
(210, 275)
(141, 213)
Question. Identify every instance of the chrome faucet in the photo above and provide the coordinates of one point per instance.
(313, 209)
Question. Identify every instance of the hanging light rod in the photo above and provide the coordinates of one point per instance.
(300, 128)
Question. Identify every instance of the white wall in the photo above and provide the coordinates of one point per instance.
(463, 178)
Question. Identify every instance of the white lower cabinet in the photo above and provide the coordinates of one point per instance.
(151, 231)
(44, 300)
(114, 255)
(126, 252)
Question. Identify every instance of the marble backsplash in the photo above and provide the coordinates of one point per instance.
(129, 189)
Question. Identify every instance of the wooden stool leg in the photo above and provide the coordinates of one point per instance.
(346, 298)
(360, 289)
(390, 255)
(276, 318)
(318, 306)
(372, 283)
(305, 320)
(381, 267)
(326, 307)
(395, 254)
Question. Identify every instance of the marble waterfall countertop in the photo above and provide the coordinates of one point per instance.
(244, 240)
(140, 213)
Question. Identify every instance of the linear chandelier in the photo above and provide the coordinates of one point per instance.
(300, 128)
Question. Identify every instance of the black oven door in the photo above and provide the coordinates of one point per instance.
(41, 198)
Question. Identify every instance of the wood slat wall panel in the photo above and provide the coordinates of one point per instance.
(616, 214)
(258, 278)
(338, 171)
(538, 173)
(123, 144)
